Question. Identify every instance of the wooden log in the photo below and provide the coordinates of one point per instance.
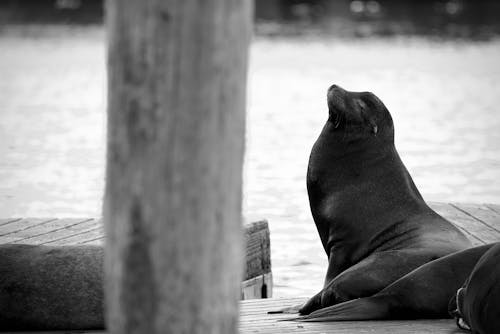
(172, 212)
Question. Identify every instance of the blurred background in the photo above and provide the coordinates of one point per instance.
(435, 64)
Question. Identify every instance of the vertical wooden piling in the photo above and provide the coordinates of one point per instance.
(176, 111)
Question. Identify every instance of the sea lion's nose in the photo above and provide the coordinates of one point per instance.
(336, 97)
(335, 89)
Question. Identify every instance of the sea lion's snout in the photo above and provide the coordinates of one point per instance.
(343, 104)
(337, 106)
(336, 97)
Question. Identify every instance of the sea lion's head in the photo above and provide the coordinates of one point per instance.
(358, 115)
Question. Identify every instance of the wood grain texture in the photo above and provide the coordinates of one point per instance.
(482, 213)
(176, 111)
(55, 230)
(13, 227)
(85, 236)
(494, 207)
(5, 221)
(258, 249)
(254, 319)
(474, 229)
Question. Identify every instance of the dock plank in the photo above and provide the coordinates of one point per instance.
(475, 230)
(95, 231)
(494, 207)
(12, 228)
(53, 230)
(5, 221)
(254, 319)
(483, 213)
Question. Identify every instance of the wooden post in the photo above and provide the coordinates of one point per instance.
(176, 102)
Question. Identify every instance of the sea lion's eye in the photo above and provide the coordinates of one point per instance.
(369, 101)
(361, 104)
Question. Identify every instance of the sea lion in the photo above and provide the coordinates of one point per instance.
(51, 288)
(373, 223)
(422, 293)
(477, 303)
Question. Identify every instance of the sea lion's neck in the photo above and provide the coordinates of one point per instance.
(337, 157)
(334, 166)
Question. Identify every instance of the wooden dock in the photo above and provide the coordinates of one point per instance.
(255, 320)
(480, 223)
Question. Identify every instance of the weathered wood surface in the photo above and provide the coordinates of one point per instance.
(255, 320)
(257, 276)
(480, 222)
(51, 231)
(175, 145)
(258, 249)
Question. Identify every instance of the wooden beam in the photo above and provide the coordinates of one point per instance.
(258, 279)
(258, 249)
(176, 82)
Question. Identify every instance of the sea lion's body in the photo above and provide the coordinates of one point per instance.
(51, 288)
(479, 300)
(373, 223)
(422, 293)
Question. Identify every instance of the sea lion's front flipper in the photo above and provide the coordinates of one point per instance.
(422, 293)
(370, 308)
(312, 304)
(369, 276)
(287, 310)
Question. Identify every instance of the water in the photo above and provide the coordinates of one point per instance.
(442, 95)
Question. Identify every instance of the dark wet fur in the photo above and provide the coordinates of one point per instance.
(423, 293)
(359, 189)
(51, 288)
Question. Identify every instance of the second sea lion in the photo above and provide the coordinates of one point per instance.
(51, 287)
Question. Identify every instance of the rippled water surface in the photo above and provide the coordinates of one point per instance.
(443, 96)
